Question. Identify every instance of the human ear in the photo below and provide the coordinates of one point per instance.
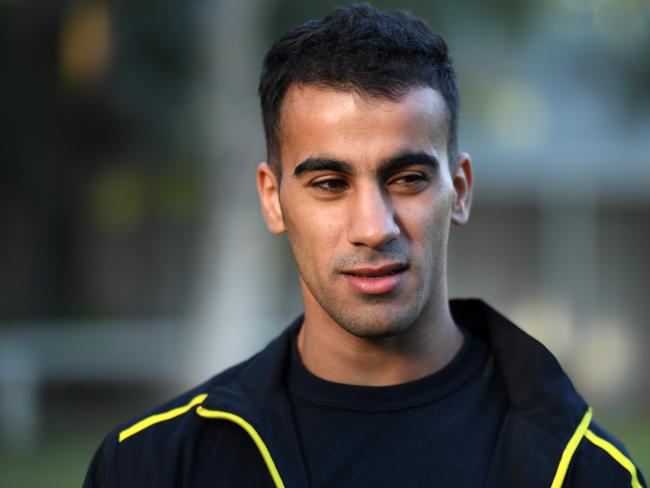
(268, 188)
(463, 180)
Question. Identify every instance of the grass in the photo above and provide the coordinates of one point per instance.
(55, 463)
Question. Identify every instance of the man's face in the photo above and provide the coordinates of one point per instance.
(366, 199)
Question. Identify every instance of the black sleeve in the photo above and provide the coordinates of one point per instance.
(602, 460)
(102, 472)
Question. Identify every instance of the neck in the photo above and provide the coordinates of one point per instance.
(331, 353)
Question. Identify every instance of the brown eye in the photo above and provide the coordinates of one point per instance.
(409, 180)
(330, 185)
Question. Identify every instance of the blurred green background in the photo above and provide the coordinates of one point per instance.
(129, 223)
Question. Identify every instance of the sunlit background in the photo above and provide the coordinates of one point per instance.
(133, 257)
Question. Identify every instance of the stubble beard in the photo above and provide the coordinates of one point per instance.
(365, 326)
(374, 317)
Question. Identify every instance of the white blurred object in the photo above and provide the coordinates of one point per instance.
(19, 406)
(548, 321)
(607, 359)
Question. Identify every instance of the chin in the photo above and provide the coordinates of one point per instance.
(375, 326)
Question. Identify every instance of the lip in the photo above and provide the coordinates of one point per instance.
(376, 280)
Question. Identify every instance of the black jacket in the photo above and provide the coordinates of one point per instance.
(237, 429)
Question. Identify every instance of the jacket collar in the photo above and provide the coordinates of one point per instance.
(537, 387)
(545, 410)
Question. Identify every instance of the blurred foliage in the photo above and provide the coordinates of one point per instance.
(117, 198)
(510, 15)
(617, 49)
(99, 136)
(123, 196)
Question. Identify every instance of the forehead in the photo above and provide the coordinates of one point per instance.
(357, 127)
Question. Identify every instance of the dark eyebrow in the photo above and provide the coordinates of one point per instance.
(393, 165)
(322, 164)
(387, 167)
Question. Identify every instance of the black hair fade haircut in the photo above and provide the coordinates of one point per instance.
(359, 48)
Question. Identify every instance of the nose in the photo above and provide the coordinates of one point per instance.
(372, 221)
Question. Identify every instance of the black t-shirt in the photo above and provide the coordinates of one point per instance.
(436, 431)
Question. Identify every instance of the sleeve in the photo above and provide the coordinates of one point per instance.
(602, 460)
(102, 472)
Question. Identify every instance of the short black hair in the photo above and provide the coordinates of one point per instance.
(360, 48)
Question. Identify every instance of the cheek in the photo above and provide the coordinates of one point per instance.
(426, 227)
(313, 236)
(427, 217)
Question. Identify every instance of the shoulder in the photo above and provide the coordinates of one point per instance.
(602, 460)
(170, 413)
(173, 445)
(155, 436)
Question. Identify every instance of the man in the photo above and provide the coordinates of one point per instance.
(383, 381)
